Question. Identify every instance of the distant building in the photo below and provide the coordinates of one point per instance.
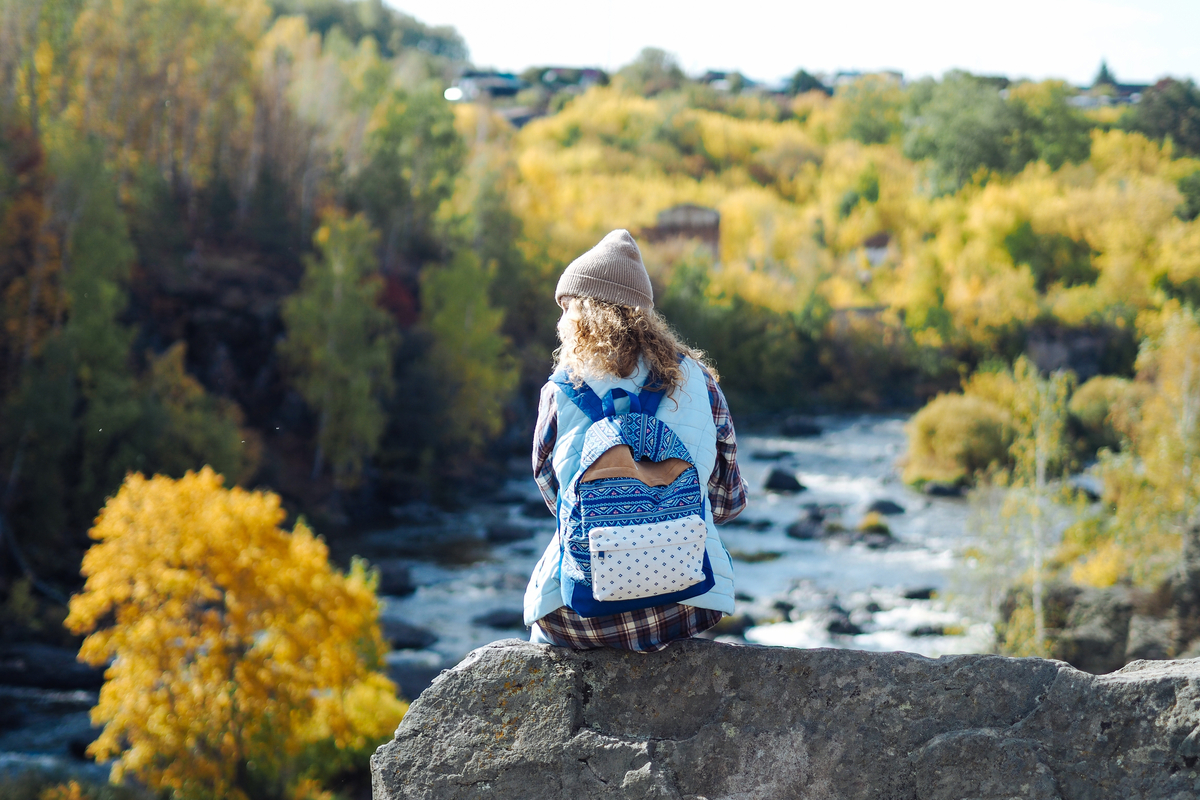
(734, 82)
(1109, 93)
(688, 221)
(476, 84)
(559, 78)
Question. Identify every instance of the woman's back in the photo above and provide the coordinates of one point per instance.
(614, 351)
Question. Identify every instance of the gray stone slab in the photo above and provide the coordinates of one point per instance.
(709, 720)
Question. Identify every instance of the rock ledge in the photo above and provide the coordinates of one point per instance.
(703, 720)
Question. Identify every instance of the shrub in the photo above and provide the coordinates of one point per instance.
(1099, 410)
(954, 438)
(242, 664)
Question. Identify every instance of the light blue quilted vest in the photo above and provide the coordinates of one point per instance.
(688, 412)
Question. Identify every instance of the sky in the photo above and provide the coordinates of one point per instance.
(766, 39)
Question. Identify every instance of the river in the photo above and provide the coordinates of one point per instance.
(827, 592)
(467, 572)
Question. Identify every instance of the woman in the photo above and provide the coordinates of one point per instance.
(612, 338)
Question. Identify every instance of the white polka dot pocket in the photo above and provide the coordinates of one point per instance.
(648, 559)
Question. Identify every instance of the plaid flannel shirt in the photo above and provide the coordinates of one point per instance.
(647, 630)
(726, 489)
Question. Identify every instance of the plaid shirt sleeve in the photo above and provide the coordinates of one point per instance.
(726, 489)
(545, 433)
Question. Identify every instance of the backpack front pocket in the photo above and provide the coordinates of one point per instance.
(648, 559)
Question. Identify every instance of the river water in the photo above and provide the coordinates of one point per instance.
(800, 592)
(470, 569)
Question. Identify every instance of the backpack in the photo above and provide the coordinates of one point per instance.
(631, 523)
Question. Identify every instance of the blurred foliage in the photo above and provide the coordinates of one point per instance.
(1169, 111)
(653, 72)
(393, 31)
(338, 345)
(965, 124)
(1145, 434)
(1100, 412)
(1189, 187)
(241, 664)
(1151, 486)
(468, 353)
(869, 110)
(955, 438)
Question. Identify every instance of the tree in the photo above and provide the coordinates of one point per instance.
(413, 155)
(80, 417)
(870, 109)
(653, 72)
(193, 428)
(1047, 127)
(242, 665)
(394, 31)
(339, 343)
(802, 82)
(1051, 257)
(1104, 77)
(1170, 109)
(1039, 411)
(170, 105)
(1152, 485)
(1189, 187)
(961, 126)
(475, 372)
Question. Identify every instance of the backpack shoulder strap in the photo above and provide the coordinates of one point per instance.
(652, 392)
(581, 396)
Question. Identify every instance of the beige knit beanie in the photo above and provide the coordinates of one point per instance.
(611, 271)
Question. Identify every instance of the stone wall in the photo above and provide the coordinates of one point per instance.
(709, 720)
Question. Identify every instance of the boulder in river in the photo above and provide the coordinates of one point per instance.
(704, 719)
(395, 577)
(927, 630)
(781, 480)
(731, 625)
(806, 528)
(873, 538)
(939, 489)
(402, 636)
(885, 507)
(502, 619)
(839, 623)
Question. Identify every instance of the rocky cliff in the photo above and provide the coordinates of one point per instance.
(708, 720)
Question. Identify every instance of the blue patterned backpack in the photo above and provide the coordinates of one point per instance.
(632, 529)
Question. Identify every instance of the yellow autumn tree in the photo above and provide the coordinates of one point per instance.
(241, 664)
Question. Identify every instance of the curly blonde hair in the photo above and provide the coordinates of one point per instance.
(602, 339)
